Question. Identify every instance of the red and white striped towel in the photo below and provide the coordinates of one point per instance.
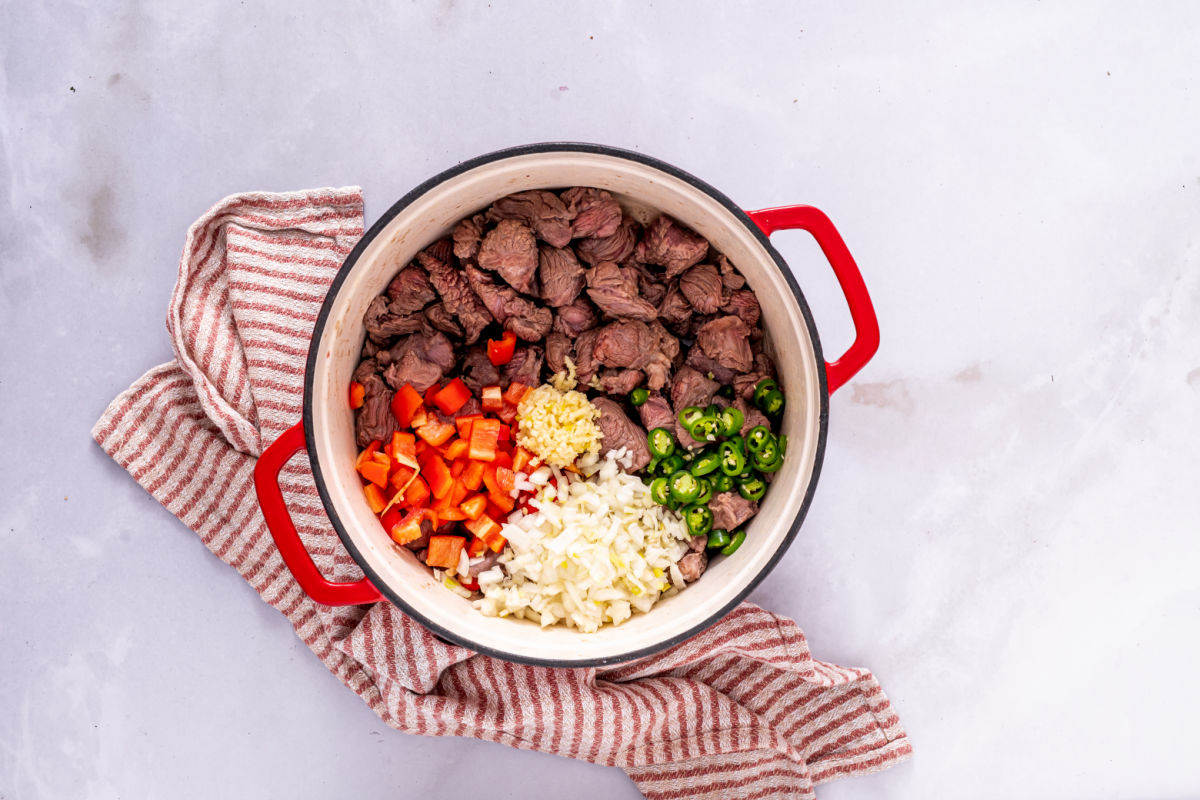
(740, 711)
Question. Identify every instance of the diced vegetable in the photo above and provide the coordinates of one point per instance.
(752, 487)
(458, 493)
(404, 449)
(639, 396)
(760, 391)
(734, 543)
(452, 514)
(451, 397)
(358, 394)
(661, 443)
(660, 490)
(699, 520)
(504, 502)
(404, 404)
(408, 528)
(708, 461)
(485, 435)
(366, 455)
(506, 479)
(430, 393)
(456, 449)
(443, 551)
(492, 398)
(472, 476)
(420, 417)
(417, 493)
(487, 529)
(475, 506)
(375, 472)
(401, 475)
(684, 487)
(436, 473)
(457, 467)
(717, 538)
(515, 393)
(501, 352)
(758, 436)
(521, 459)
(733, 460)
(435, 432)
(375, 498)
(476, 547)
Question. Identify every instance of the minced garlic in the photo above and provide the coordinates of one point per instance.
(557, 426)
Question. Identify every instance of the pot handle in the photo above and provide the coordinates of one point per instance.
(283, 530)
(866, 326)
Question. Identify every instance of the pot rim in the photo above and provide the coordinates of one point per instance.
(532, 149)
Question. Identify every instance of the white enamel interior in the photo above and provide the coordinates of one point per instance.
(645, 190)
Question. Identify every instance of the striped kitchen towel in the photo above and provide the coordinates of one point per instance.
(740, 711)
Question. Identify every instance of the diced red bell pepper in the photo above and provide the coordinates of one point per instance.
(494, 511)
(502, 501)
(375, 498)
(506, 479)
(503, 457)
(430, 393)
(452, 514)
(474, 506)
(366, 455)
(417, 494)
(501, 352)
(457, 466)
(405, 403)
(493, 399)
(505, 434)
(507, 414)
(485, 434)
(420, 417)
(482, 526)
(408, 528)
(444, 503)
(444, 550)
(521, 459)
(390, 517)
(451, 397)
(456, 449)
(358, 394)
(470, 584)
(436, 474)
(476, 547)
(495, 540)
(401, 475)
(472, 476)
(464, 424)
(435, 432)
(458, 493)
(375, 472)
(404, 446)
(515, 393)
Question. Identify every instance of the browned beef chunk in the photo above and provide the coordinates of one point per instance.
(370, 348)
(730, 510)
(486, 562)
(457, 296)
(615, 291)
(692, 565)
(666, 350)
(443, 320)
(698, 360)
(650, 283)
(511, 250)
(477, 370)
(585, 362)
(697, 544)
(517, 314)
(561, 276)
(467, 234)
(691, 388)
(615, 248)
(365, 368)
(744, 305)
(472, 406)
(620, 381)
(636, 345)
(753, 417)
(671, 245)
(382, 324)
(374, 420)
(732, 279)
(726, 340)
(576, 318)
(525, 367)
(702, 287)
(409, 291)
(542, 211)
(558, 349)
(620, 431)
(656, 413)
(676, 311)
(743, 384)
(420, 359)
(595, 212)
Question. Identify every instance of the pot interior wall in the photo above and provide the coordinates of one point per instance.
(646, 191)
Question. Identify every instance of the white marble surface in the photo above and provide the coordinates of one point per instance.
(1006, 527)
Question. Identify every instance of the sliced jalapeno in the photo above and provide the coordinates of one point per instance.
(718, 538)
(690, 415)
(639, 396)
(734, 543)
(752, 488)
(758, 436)
(733, 460)
(670, 465)
(782, 445)
(659, 492)
(705, 463)
(731, 421)
(768, 453)
(766, 466)
(772, 404)
(764, 386)
(705, 428)
(706, 491)
(661, 442)
(699, 519)
(722, 482)
(684, 487)
(651, 468)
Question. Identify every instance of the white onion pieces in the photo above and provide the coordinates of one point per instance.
(595, 554)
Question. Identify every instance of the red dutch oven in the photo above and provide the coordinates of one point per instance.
(646, 187)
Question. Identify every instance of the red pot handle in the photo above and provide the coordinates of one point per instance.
(866, 326)
(283, 530)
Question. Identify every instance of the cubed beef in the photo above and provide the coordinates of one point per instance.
(585, 361)
(656, 413)
(727, 341)
(595, 212)
(382, 325)
(620, 381)
(576, 318)
(676, 311)
(561, 276)
(702, 287)
(558, 350)
(467, 235)
(615, 248)
(615, 291)
(421, 360)
(518, 314)
(443, 320)
(525, 367)
(752, 416)
(744, 305)
(620, 431)
(649, 280)
(477, 370)
(691, 388)
(671, 245)
(732, 279)
(409, 291)
(511, 250)
(730, 510)
(698, 360)
(374, 420)
(457, 296)
(542, 211)
(692, 566)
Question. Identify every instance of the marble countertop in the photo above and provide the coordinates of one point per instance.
(1006, 526)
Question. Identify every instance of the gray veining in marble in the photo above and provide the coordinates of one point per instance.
(1006, 526)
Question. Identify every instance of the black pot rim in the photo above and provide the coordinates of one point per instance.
(408, 199)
